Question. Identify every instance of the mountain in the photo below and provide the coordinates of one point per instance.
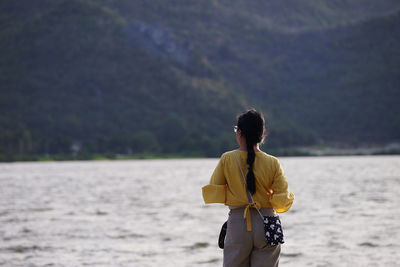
(73, 74)
(169, 77)
(342, 83)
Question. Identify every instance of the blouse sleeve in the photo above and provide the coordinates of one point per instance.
(281, 198)
(215, 192)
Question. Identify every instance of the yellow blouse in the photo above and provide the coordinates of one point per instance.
(227, 185)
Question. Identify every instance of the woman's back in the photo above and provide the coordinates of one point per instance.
(272, 188)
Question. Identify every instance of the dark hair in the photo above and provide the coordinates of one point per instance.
(251, 124)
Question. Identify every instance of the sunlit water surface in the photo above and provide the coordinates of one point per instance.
(151, 213)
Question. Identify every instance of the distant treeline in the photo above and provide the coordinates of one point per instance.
(175, 141)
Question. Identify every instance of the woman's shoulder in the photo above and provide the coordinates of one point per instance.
(228, 154)
(268, 156)
(241, 153)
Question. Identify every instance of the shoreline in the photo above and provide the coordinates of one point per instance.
(312, 151)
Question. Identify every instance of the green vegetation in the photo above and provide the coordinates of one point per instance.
(83, 79)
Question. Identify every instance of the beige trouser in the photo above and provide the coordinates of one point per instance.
(243, 248)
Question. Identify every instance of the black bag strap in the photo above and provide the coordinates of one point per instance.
(222, 233)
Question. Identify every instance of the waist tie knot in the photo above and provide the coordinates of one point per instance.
(247, 215)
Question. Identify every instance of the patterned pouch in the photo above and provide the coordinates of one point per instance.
(273, 230)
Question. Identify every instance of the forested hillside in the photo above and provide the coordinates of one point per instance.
(168, 77)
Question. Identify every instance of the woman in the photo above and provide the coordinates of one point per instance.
(245, 243)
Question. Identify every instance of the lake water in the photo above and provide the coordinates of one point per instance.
(151, 213)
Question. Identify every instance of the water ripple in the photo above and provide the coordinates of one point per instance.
(148, 213)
